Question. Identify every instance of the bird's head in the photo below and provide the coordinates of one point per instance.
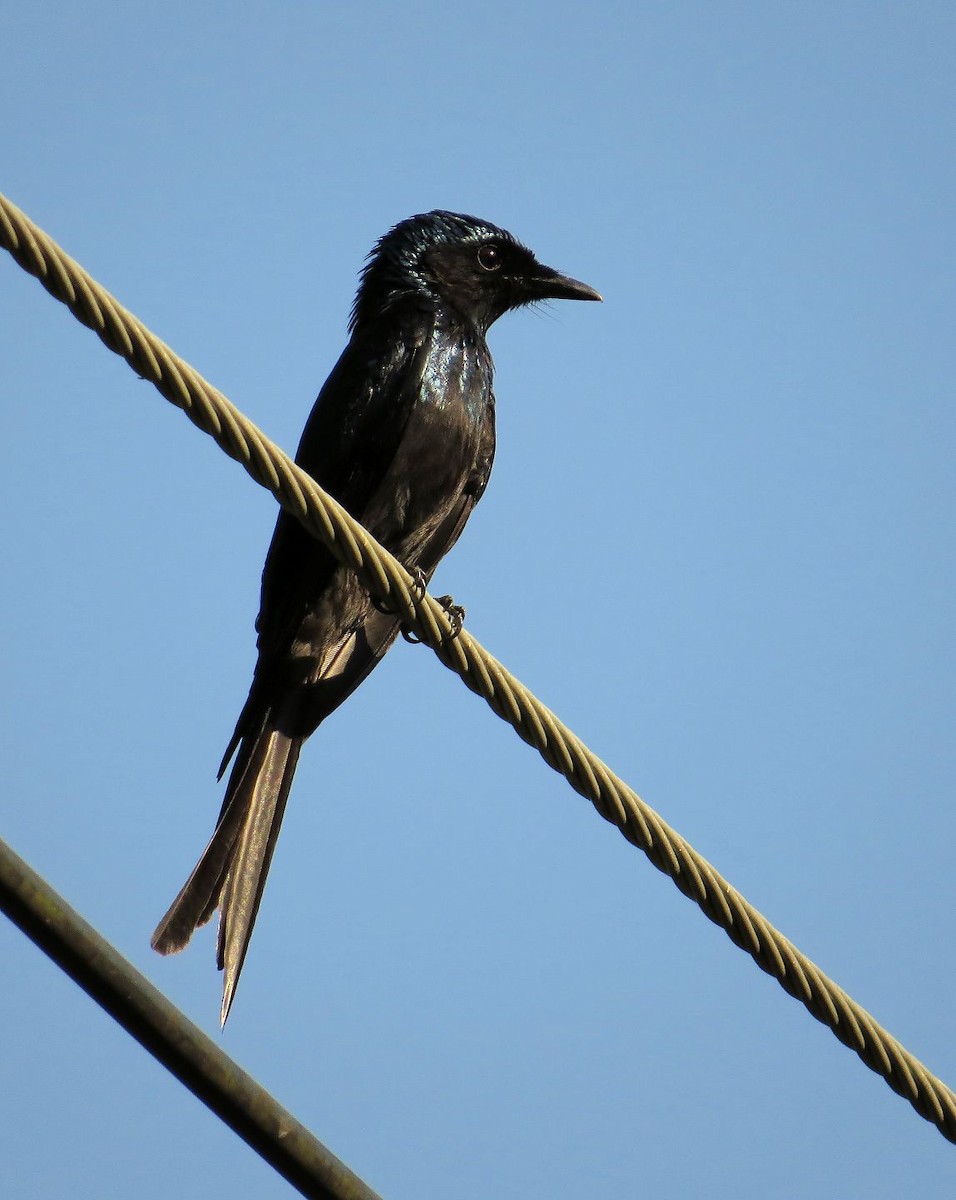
(446, 259)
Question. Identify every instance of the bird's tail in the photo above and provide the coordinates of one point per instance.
(231, 873)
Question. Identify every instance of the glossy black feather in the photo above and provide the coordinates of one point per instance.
(403, 435)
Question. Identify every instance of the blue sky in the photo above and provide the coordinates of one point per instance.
(718, 542)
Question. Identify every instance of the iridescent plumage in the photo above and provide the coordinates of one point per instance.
(403, 435)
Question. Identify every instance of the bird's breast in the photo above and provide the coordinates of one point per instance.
(436, 456)
(457, 376)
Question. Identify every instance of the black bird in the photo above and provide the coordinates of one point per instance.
(403, 435)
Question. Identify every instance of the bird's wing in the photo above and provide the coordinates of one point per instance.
(449, 531)
(347, 445)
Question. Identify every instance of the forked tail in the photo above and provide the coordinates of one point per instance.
(231, 874)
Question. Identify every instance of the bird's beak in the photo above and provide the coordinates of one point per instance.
(548, 284)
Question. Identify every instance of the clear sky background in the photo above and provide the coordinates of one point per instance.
(718, 542)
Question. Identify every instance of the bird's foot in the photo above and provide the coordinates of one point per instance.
(419, 584)
(455, 614)
(418, 587)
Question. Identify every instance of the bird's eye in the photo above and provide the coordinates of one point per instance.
(489, 257)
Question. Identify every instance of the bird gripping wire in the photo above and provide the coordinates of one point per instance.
(389, 582)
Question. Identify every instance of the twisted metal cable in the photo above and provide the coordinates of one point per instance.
(388, 581)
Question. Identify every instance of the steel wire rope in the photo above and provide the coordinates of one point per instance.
(388, 581)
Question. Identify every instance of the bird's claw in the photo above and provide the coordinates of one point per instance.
(419, 584)
(418, 587)
(455, 614)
